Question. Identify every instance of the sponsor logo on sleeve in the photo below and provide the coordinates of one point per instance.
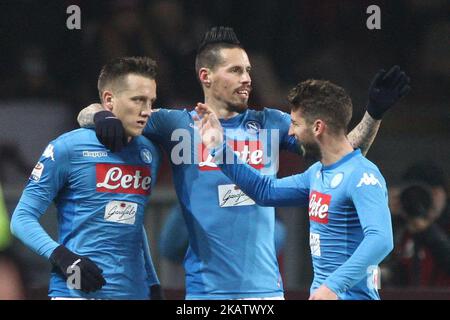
(37, 172)
(373, 277)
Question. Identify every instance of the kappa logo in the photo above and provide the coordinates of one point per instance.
(95, 154)
(368, 179)
(49, 152)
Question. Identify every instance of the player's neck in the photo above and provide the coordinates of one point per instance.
(334, 149)
(220, 108)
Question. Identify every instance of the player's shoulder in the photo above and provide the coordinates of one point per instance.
(314, 168)
(170, 112)
(64, 145)
(312, 171)
(268, 113)
(74, 137)
(267, 116)
(170, 116)
(365, 164)
(364, 171)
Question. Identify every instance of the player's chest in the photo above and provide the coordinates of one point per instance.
(257, 147)
(328, 198)
(101, 173)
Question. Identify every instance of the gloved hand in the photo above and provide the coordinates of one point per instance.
(156, 292)
(109, 131)
(385, 90)
(91, 275)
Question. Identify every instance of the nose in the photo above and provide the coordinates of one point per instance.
(146, 110)
(246, 79)
(291, 130)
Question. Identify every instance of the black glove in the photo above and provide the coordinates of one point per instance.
(109, 131)
(156, 292)
(385, 90)
(91, 275)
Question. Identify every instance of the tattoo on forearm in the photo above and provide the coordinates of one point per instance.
(86, 116)
(363, 135)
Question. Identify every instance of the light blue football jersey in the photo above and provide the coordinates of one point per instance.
(100, 198)
(231, 250)
(350, 223)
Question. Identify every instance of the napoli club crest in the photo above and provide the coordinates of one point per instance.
(146, 156)
(252, 127)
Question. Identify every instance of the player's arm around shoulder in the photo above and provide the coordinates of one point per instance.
(281, 121)
(163, 122)
(86, 116)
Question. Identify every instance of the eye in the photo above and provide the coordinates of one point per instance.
(139, 99)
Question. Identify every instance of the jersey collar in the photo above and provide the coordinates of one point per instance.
(235, 121)
(343, 160)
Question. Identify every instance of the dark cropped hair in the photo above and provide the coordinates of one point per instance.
(319, 99)
(118, 68)
(216, 39)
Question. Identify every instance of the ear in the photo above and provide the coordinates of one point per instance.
(318, 127)
(107, 97)
(204, 74)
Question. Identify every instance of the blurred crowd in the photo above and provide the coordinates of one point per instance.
(420, 210)
(287, 41)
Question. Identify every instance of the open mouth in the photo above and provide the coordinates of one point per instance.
(243, 93)
(142, 123)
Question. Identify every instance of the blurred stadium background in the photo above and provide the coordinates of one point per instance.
(48, 73)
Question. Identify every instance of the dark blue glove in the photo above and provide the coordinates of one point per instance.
(156, 292)
(90, 274)
(385, 90)
(109, 131)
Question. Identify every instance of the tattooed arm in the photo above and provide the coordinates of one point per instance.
(364, 133)
(384, 92)
(86, 116)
